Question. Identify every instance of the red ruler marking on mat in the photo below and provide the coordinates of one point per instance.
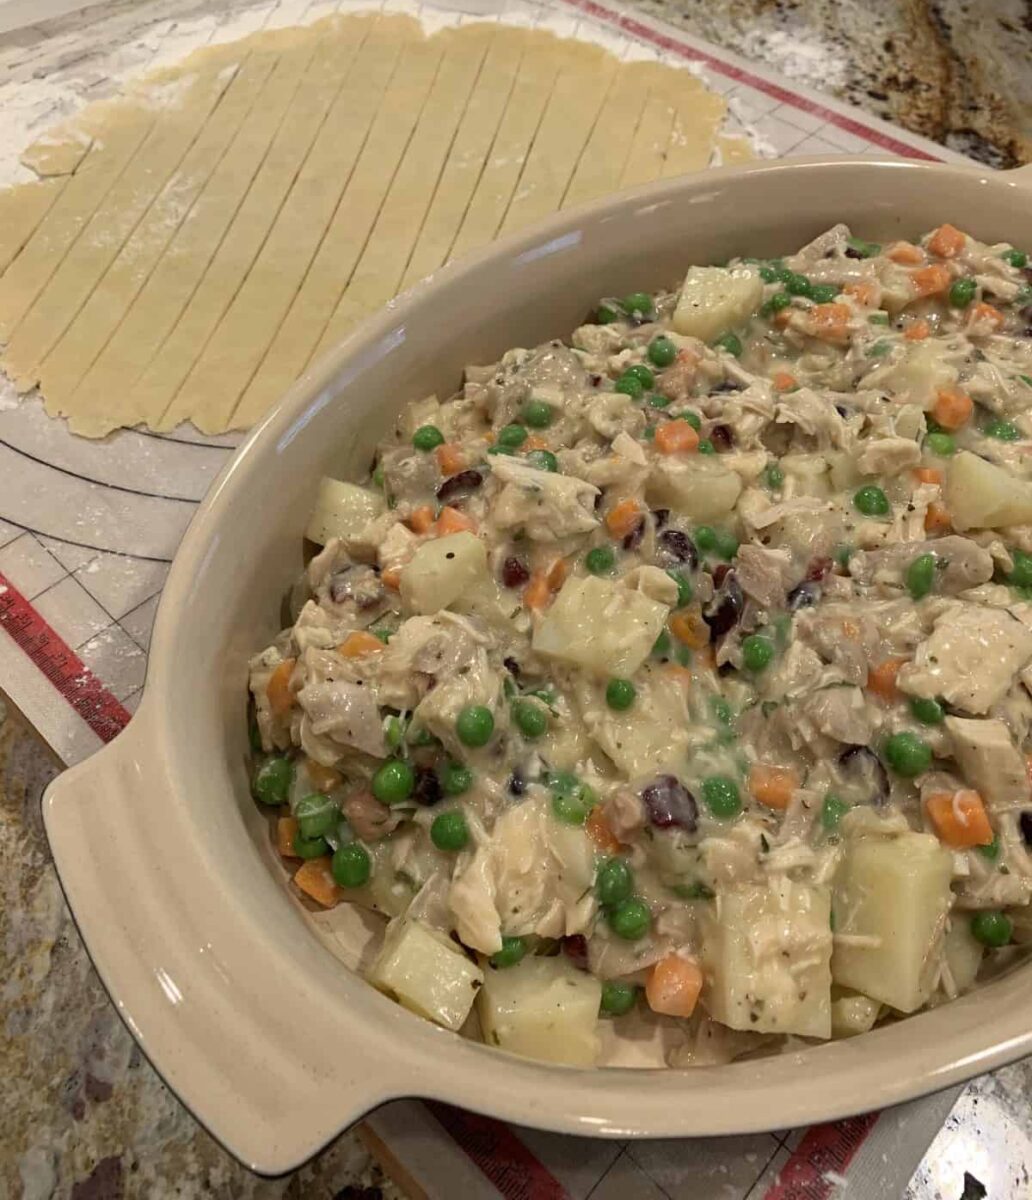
(674, 45)
(60, 664)
(824, 1148)
(500, 1155)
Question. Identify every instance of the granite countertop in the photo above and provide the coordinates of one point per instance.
(85, 1117)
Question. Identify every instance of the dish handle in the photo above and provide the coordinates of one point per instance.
(230, 1010)
(1022, 176)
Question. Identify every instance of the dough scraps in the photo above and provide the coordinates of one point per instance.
(191, 246)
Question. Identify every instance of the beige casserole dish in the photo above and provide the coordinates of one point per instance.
(243, 1001)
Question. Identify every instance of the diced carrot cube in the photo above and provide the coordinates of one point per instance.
(952, 408)
(772, 786)
(450, 520)
(982, 312)
(830, 322)
(904, 253)
(930, 281)
(676, 437)
(947, 241)
(917, 331)
(937, 518)
(599, 832)
(555, 573)
(959, 818)
(286, 831)
(881, 678)
(537, 595)
(390, 577)
(324, 779)
(421, 520)
(358, 643)
(315, 879)
(450, 458)
(864, 291)
(928, 475)
(783, 381)
(690, 628)
(277, 690)
(673, 985)
(534, 442)
(624, 516)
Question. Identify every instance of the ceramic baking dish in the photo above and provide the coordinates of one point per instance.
(238, 995)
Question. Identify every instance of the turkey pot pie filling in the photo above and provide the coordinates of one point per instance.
(671, 686)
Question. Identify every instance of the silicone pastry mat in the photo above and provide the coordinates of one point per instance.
(88, 529)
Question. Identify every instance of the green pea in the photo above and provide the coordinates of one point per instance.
(449, 831)
(878, 318)
(773, 477)
(927, 711)
(833, 810)
(768, 273)
(657, 400)
(620, 694)
(991, 852)
(455, 778)
(879, 350)
(570, 807)
(1016, 258)
(705, 538)
(721, 710)
(730, 342)
(618, 997)
(419, 736)
(757, 652)
(642, 373)
(683, 656)
(638, 303)
(908, 755)
(1004, 431)
(394, 781)
(661, 351)
(351, 865)
(798, 285)
(496, 449)
(823, 293)
(1021, 571)
(942, 444)
(684, 588)
(427, 437)
(544, 460)
(779, 301)
(614, 881)
(693, 419)
(313, 847)
(474, 725)
(706, 447)
(378, 475)
(920, 576)
(661, 646)
(606, 314)
(842, 555)
(721, 796)
(384, 635)
(864, 249)
(962, 292)
(871, 501)
(726, 544)
(600, 560)
(393, 732)
(316, 815)
(512, 435)
(992, 928)
(272, 780)
(531, 719)
(630, 919)
(512, 951)
(537, 414)
(648, 433)
(630, 385)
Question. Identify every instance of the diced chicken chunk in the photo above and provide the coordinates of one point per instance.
(990, 762)
(547, 506)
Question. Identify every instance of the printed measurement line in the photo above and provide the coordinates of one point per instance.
(824, 1149)
(68, 674)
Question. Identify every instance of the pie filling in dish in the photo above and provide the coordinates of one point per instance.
(670, 685)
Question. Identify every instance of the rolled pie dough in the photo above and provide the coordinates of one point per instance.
(190, 247)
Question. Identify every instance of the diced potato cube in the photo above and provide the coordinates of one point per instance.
(341, 510)
(427, 973)
(767, 955)
(963, 951)
(919, 375)
(853, 1014)
(716, 299)
(891, 899)
(649, 736)
(542, 1008)
(981, 495)
(808, 473)
(441, 571)
(601, 626)
(696, 487)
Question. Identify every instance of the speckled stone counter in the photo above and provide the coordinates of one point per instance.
(956, 71)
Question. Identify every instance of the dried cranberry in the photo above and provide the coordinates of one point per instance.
(669, 804)
(851, 252)
(679, 547)
(575, 947)
(660, 516)
(720, 573)
(724, 611)
(722, 438)
(514, 572)
(459, 485)
(1025, 821)
(804, 595)
(427, 791)
(632, 540)
(819, 569)
(512, 666)
(517, 785)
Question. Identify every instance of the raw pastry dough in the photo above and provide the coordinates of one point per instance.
(191, 246)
